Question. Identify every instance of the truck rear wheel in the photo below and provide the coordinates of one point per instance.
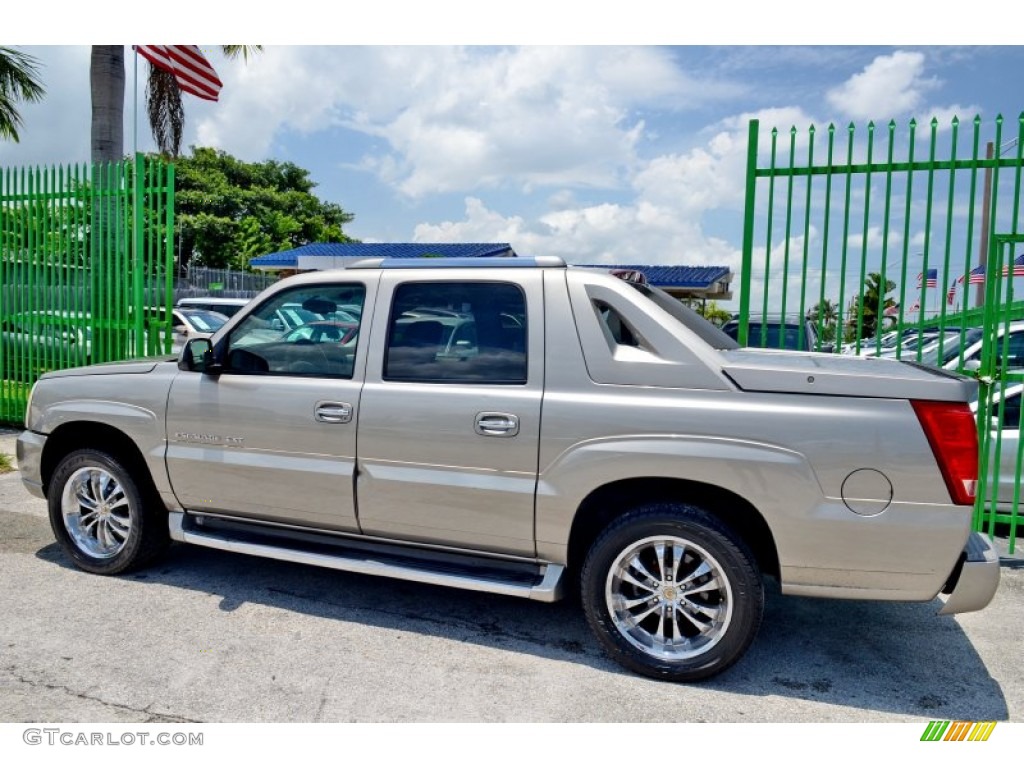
(101, 518)
(672, 593)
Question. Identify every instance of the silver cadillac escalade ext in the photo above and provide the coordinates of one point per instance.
(525, 428)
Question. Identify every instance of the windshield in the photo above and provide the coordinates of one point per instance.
(206, 322)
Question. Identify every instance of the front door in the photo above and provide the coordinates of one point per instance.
(273, 437)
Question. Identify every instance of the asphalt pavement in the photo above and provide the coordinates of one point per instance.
(216, 637)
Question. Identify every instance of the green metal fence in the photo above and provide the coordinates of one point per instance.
(898, 241)
(86, 259)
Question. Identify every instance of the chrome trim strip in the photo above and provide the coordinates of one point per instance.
(548, 590)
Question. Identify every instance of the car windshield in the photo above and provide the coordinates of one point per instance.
(205, 322)
(951, 347)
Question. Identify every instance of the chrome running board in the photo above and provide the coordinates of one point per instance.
(534, 581)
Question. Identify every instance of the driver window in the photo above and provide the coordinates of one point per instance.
(309, 330)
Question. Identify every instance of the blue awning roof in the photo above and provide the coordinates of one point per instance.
(290, 259)
(676, 277)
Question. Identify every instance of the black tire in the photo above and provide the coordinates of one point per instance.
(651, 622)
(100, 516)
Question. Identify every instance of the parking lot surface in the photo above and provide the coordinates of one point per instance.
(215, 637)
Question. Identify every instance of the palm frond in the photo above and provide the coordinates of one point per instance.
(234, 51)
(19, 81)
(165, 110)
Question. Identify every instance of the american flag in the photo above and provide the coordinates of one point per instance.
(190, 68)
(931, 278)
(1018, 267)
(976, 276)
(951, 294)
(915, 306)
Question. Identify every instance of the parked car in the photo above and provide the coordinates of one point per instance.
(1004, 446)
(226, 306)
(324, 332)
(193, 324)
(1013, 360)
(42, 340)
(779, 335)
(595, 433)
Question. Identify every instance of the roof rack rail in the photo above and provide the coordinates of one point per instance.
(456, 262)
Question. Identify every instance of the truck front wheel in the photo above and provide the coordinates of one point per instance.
(100, 517)
(672, 593)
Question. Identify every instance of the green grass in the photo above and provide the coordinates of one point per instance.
(5, 463)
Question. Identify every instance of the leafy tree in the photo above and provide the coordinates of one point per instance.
(712, 312)
(229, 211)
(19, 81)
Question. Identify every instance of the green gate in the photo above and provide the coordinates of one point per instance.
(86, 260)
(900, 243)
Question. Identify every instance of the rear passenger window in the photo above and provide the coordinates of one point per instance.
(467, 332)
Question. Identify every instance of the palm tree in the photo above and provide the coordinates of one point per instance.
(827, 311)
(824, 314)
(873, 302)
(19, 81)
(163, 102)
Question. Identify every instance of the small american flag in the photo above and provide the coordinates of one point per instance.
(951, 294)
(931, 277)
(191, 70)
(1018, 267)
(975, 277)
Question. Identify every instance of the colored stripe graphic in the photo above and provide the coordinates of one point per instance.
(958, 730)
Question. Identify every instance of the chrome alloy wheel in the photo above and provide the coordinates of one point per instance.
(669, 597)
(96, 512)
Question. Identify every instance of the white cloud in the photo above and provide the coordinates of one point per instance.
(453, 119)
(662, 222)
(889, 86)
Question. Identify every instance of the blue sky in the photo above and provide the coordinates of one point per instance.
(597, 153)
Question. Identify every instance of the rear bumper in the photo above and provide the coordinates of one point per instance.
(974, 581)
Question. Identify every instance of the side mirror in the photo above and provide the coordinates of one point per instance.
(197, 356)
(972, 365)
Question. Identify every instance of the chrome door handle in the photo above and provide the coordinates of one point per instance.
(333, 413)
(497, 424)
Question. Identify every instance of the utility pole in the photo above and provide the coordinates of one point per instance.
(979, 290)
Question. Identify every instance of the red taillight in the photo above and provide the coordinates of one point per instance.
(953, 436)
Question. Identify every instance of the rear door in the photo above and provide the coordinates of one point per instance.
(449, 424)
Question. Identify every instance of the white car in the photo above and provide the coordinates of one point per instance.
(194, 324)
(972, 353)
(225, 306)
(1004, 447)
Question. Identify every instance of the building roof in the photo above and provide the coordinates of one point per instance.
(680, 281)
(330, 251)
(677, 277)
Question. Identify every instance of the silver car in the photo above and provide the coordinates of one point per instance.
(521, 427)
